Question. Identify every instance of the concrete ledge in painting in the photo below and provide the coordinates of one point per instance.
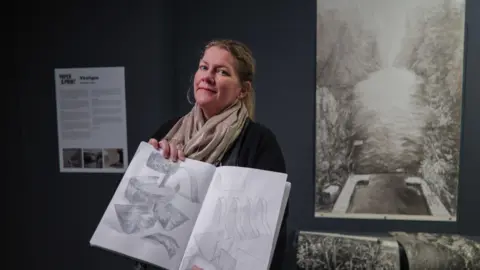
(343, 201)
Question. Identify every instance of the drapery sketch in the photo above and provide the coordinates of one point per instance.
(171, 214)
(320, 251)
(226, 185)
(244, 222)
(238, 231)
(388, 108)
(234, 221)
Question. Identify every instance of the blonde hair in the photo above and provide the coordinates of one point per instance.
(245, 68)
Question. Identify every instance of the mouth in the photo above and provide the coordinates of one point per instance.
(207, 89)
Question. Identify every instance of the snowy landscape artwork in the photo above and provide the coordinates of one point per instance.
(389, 77)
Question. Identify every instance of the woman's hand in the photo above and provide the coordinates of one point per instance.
(170, 150)
(196, 268)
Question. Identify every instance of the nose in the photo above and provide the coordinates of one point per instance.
(208, 77)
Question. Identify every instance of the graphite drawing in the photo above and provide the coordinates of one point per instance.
(235, 221)
(239, 184)
(149, 202)
(134, 218)
(169, 216)
(145, 190)
(168, 242)
(389, 78)
(217, 251)
(148, 208)
(241, 221)
(187, 189)
(337, 251)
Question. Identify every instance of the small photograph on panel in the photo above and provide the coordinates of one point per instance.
(92, 158)
(317, 250)
(72, 157)
(113, 158)
(389, 82)
(439, 251)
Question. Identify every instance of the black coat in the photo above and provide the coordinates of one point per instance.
(256, 147)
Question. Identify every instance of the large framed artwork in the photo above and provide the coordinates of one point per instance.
(389, 78)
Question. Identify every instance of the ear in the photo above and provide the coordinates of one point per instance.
(247, 86)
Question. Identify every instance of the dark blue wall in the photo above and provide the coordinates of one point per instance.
(63, 209)
(159, 43)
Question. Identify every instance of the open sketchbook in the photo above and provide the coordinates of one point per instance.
(179, 214)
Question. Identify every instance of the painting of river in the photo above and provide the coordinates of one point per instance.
(389, 80)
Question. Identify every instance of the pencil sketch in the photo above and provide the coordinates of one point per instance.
(389, 77)
(317, 250)
(216, 251)
(134, 218)
(146, 190)
(169, 216)
(222, 183)
(187, 189)
(160, 164)
(439, 251)
(168, 242)
(235, 221)
(241, 221)
(149, 203)
(258, 213)
(155, 208)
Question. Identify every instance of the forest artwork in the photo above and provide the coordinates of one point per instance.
(318, 250)
(386, 251)
(389, 78)
(439, 251)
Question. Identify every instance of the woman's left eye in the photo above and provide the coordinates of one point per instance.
(223, 72)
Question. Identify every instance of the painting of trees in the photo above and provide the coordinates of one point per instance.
(434, 51)
(389, 79)
(346, 54)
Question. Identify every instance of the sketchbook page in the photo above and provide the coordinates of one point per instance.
(286, 195)
(153, 211)
(235, 228)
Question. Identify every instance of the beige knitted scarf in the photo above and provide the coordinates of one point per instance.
(208, 140)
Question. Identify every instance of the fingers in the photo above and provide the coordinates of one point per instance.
(181, 155)
(165, 146)
(170, 150)
(173, 152)
(154, 143)
(196, 268)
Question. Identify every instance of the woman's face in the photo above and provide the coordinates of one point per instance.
(216, 83)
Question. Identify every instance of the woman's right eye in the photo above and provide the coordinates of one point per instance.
(202, 67)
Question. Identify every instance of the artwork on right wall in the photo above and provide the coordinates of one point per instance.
(389, 77)
(387, 251)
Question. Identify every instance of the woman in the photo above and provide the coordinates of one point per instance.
(220, 129)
